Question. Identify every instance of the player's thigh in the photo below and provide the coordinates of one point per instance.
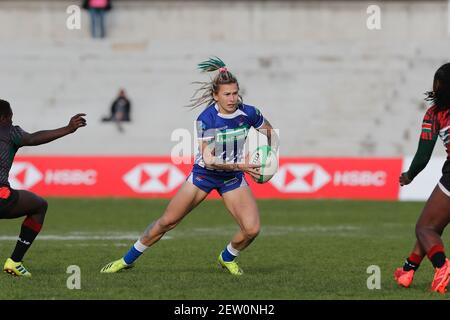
(436, 213)
(242, 205)
(27, 204)
(186, 199)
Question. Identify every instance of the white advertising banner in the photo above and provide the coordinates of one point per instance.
(422, 186)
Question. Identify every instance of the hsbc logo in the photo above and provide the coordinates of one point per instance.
(304, 178)
(154, 177)
(310, 177)
(24, 175)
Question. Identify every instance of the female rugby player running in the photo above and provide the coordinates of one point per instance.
(19, 203)
(436, 213)
(222, 129)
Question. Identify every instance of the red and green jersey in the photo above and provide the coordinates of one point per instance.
(437, 123)
(10, 141)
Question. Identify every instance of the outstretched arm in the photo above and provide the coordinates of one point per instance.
(45, 136)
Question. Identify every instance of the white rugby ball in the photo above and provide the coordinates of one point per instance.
(265, 156)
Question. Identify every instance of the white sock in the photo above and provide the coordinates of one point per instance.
(232, 250)
(139, 246)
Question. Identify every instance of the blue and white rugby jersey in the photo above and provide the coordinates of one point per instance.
(227, 131)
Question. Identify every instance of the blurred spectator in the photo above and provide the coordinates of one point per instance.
(120, 110)
(97, 10)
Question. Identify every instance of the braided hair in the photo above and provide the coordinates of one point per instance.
(204, 94)
(440, 96)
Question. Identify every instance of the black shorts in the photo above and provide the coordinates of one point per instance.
(8, 199)
(444, 182)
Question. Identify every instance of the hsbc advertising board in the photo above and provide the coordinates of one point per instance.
(335, 178)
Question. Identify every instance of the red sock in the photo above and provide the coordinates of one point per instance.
(435, 249)
(415, 258)
(28, 232)
(437, 255)
(32, 224)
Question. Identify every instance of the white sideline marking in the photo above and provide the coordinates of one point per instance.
(228, 230)
(268, 230)
(84, 236)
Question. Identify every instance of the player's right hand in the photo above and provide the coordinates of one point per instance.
(251, 169)
(77, 121)
(404, 179)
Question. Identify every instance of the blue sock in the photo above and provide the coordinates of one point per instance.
(227, 256)
(134, 253)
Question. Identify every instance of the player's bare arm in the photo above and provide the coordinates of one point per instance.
(272, 137)
(211, 162)
(45, 136)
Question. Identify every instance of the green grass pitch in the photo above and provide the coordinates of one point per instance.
(306, 250)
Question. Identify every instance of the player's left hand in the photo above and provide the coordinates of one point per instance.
(254, 172)
(251, 169)
(77, 121)
(404, 179)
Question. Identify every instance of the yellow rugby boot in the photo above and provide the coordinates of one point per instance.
(231, 266)
(116, 266)
(16, 269)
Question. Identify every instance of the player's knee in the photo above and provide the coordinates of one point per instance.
(251, 232)
(43, 206)
(422, 230)
(167, 224)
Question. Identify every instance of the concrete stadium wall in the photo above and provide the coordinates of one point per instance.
(332, 87)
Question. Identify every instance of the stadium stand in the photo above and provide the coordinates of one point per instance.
(332, 86)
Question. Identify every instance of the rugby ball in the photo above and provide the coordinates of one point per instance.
(265, 156)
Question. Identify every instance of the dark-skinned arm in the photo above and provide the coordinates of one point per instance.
(45, 136)
(420, 160)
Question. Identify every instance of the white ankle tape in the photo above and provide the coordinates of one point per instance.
(139, 246)
(232, 250)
